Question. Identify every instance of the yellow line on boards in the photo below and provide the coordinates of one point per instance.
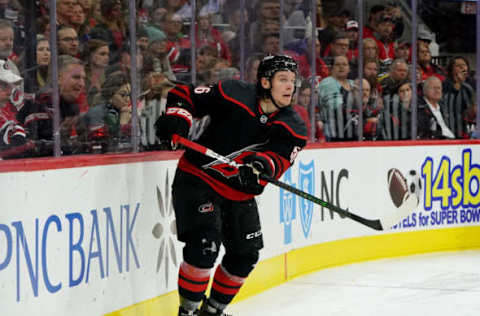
(277, 270)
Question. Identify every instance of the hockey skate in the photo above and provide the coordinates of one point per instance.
(184, 312)
(209, 310)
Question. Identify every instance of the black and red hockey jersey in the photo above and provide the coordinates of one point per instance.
(237, 127)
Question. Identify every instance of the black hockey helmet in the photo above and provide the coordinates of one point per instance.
(269, 66)
(273, 63)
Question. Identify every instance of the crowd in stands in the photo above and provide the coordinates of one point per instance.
(94, 71)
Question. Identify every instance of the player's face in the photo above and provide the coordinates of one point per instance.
(283, 86)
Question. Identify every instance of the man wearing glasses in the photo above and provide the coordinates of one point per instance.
(68, 41)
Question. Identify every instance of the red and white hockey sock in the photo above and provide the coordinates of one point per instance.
(192, 284)
(224, 288)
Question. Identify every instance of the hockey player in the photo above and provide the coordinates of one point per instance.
(214, 202)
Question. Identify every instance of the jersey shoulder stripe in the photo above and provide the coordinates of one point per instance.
(292, 122)
(239, 93)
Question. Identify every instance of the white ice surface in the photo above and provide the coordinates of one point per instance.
(439, 284)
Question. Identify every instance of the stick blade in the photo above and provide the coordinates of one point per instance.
(407, 207)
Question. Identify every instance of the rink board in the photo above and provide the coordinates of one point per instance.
(96, 235)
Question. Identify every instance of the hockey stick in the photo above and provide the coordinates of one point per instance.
(17, 150)
(378, 224)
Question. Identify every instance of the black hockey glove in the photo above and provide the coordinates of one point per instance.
(249, 173)
(167, 125)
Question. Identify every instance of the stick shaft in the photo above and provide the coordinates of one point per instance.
(17, 150)
(374, 224)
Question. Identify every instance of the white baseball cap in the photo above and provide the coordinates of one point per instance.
(351, 25)
(6, 73)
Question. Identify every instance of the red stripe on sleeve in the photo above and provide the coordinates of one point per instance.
(282, 163)
(291, 130)
(182, 95)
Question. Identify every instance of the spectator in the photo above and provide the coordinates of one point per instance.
(296, 21)
(339, 47)
(177, 42)
(336, 22)
(370, 49)
(109, 123)
(424, 37)
(431, 124)
(123, 65)
(403, 51)
(43, 58)
(398, 72)
(371, 111)
(13, 11)
(270, 44)
(111, 26)
(96, 55)
(156, 55)
(208, 35)
(252, 66)
(394, 11)
(157, 15)
(206, 59)
(68, 42)
(37, 117)
(305, 58)
(64, 11)
(78, 21)
(373, 16)
(302, 106)
(6, 45)
(267, 15)
(43, 25)
(142, 38)
(370, 52)
(178, 7)
(87, 6)
(383, 36)
(397, 112)
(458, 97)
(12, 132)
(219, 65)
(353, 36)
(427, 68)
(231, 36)
(267, 27)
(96, 12)
(335, 103)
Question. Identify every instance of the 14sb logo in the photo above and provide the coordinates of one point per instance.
(452, 186)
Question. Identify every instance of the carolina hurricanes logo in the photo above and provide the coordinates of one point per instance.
(225, 169)
(206, 208)
(228, 171)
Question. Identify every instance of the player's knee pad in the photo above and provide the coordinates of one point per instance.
(240, 264)
(201, 248)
